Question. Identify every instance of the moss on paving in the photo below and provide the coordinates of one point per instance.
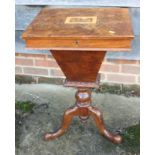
(24, 79)
(131, 138)
(119, 89)
(26, 106)
(21, 108)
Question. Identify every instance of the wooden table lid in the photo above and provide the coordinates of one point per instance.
(74, 24)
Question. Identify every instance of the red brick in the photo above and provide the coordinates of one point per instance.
(31, 55)
(102, 77)
(109, 68)
(49, 56)
(36, 71)
(138, 79)
(55, 72)
(25, 62)
(46, 63)
(18, 70)
(130, 69)
(121, 78)
(124, 61)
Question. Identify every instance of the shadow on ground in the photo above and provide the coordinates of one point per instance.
(39, 108)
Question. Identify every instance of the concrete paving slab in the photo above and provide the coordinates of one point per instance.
(51, 101)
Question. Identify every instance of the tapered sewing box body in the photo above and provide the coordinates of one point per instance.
(79, 38)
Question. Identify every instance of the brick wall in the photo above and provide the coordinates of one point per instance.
(43, 65)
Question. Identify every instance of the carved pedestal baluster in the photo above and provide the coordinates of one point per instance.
(83, 109)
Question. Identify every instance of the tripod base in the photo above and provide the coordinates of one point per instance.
(83, 109)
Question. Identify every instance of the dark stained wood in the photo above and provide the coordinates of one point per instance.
(68, 116)
(83, 109)
(97, 115)
(83, 44)
(112, 30)
(79, 39)
(81, 67)
(76, 84)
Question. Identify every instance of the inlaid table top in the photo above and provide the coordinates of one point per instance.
(80, 28)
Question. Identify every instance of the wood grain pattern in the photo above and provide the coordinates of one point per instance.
(49, 31)
(81, 67)
(80, 44)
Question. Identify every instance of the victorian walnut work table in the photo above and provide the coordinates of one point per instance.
(78, 39)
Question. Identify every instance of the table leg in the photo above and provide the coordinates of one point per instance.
(83, 109)
(96, 114)
(67, 118)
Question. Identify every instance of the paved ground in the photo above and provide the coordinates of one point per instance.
(51, 101)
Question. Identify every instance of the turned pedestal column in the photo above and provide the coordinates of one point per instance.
(84, 110)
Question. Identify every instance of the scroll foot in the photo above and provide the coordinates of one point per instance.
(117, 139)
(67, 118)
